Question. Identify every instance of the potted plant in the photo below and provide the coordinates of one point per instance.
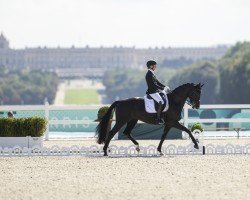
(196, 129)
(23, 132)
(197, 126)
(101, 112)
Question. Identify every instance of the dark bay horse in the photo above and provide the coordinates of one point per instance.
(129, 111)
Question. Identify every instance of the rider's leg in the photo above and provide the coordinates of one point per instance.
(157, 98)
(159, 111)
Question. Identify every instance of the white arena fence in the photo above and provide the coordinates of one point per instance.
(47, 111)
(120, 151)
(114, 150)
(240, 125)
(150, 150)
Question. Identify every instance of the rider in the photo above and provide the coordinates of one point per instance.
(154, 87)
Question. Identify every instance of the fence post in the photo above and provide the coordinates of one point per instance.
(46, 106)
(202, 143)
(185, 119)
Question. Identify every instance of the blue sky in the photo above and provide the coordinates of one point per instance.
(140, 23)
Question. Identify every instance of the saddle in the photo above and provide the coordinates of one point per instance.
(151, 105)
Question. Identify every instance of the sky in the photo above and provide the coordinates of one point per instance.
(139, 23)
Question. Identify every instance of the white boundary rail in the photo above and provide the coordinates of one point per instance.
(47, 108)
(150, 150)
(186, 120)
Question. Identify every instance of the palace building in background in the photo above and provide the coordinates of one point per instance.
(92, 62)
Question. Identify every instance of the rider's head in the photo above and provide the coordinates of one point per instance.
(151, 64)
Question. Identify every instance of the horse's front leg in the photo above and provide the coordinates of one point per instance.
(165, 132)
(183, 128)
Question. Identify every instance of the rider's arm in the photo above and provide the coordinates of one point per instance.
(159, 83)
(156, 83)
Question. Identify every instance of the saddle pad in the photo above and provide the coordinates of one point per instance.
(150, 105)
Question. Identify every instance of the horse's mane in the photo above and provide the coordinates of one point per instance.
(182, 86)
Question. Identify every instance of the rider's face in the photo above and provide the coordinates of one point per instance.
(153, 67)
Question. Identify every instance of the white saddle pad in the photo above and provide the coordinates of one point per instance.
(150, 105)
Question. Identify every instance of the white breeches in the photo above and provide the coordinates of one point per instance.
(157, 97)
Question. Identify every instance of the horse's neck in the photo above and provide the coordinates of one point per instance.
(180, 96)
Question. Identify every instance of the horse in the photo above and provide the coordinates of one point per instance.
(130, 110)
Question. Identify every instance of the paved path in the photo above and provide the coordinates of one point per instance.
(78, 84)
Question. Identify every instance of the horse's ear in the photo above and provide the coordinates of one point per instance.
(202, 85)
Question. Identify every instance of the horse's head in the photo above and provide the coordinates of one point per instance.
(194, 95)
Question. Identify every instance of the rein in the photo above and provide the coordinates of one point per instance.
(189, 103)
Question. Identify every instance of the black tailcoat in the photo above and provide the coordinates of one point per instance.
(153, 84)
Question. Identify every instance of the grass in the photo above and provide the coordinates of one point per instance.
(81, 96)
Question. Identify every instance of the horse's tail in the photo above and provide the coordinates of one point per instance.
(102, 128)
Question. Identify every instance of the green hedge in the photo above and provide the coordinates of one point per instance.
(22, 127)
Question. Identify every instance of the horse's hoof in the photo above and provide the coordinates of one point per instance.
(137, 149)
(105, 153)
(196, 146)
(161, 154)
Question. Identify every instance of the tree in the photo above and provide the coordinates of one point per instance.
(203, 72)
(235, 81)
(28, 87)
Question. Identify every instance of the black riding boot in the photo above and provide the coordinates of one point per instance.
(158, 119)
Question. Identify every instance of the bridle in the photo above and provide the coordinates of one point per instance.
(194, 94)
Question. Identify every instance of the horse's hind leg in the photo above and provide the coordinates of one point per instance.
(130, 125)
(111, 134)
